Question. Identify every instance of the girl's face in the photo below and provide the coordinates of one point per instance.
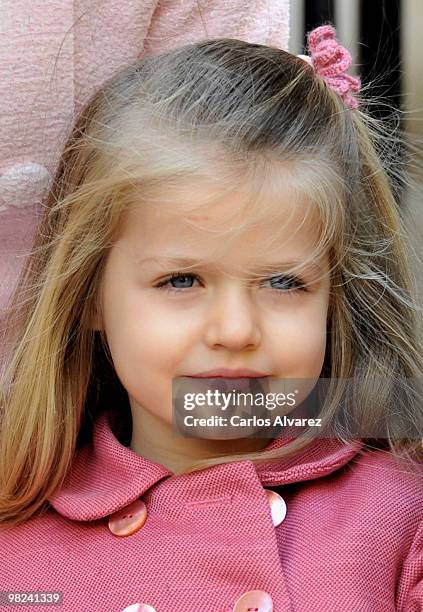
(218, 314)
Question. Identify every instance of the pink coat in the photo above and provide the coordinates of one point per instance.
(351, 539)
(55, 53)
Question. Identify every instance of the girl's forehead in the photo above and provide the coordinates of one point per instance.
(214, 227)
(203, 209)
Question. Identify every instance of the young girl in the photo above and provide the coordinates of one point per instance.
(219, 210)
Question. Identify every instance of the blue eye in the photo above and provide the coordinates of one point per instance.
(177, 277)
(167, 283)
(288, 284)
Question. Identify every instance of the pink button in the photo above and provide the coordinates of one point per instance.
(139, 607)
(128, 520)
(277, 507)
(254, 601)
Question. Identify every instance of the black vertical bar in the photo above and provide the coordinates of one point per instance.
(317, 13)
(380, 59)
(380, 24)
(379, 52)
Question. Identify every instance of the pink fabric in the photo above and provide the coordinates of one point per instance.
(352, 538)
(331, 61)
(55, 53)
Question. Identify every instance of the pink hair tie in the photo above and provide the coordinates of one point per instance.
(331, 60)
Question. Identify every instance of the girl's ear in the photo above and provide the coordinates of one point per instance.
(330, 307)
(95, 315)
(96, 324)
(96, 320)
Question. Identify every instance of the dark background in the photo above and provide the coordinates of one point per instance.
(379, 38)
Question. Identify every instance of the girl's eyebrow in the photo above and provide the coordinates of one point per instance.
(186, 262)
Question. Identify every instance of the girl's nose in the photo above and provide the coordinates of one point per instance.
(233, 320)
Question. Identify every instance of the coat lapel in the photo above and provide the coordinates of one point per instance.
(106, 475)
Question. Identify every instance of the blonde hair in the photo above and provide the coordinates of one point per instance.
(220, 110)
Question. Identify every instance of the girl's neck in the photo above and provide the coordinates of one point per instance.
(155, 440)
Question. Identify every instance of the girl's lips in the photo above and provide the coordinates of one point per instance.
(227, 373)
(222, 384)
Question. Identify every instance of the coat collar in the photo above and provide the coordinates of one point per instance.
(105, 475)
